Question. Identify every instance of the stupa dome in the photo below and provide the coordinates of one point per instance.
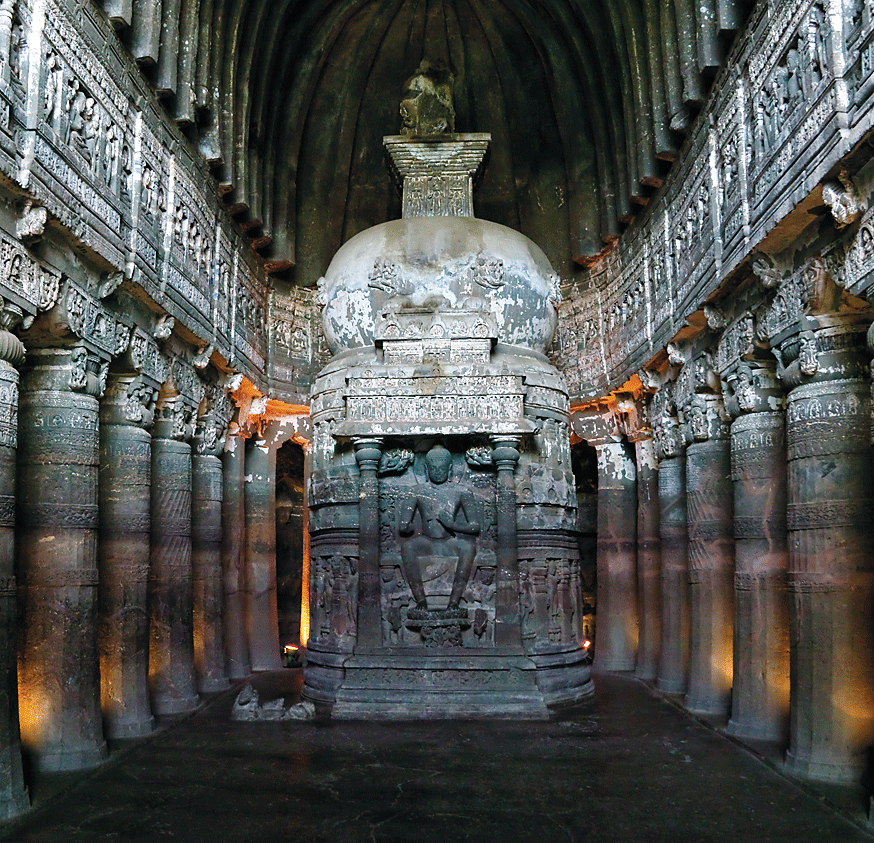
(443, 264)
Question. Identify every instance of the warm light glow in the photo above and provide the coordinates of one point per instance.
(289, 648)
(33, 716)
(587, 644)
(305, 578)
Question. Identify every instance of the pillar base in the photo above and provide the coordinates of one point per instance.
(14, 804)
(132, 729)
(708, 706)
(823, 771)
(671, 686)
(213, 686)
(68, 761)
(171, 707)
(756, 731)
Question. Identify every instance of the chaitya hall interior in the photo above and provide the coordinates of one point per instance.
(416, 362)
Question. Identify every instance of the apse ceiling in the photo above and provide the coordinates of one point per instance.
(586, 101)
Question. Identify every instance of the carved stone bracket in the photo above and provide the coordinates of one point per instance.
(753, 387)
(705, 418)
(843, 199)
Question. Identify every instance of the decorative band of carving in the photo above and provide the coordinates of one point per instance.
(801, 582)
(43, 578)
(824, 515)
(839, 386)
(171, 527)
(126, 572)
(709, 575)
(769, 580)
(759, 527)
(823, 442)
(710, 530)
(7, 510)
(68, 516)
(8, 432)
(757, 465)
(7, 587)
(763, 422)
(126, 523)
(207, 535)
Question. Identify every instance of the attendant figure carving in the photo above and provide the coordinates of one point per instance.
(439, 518)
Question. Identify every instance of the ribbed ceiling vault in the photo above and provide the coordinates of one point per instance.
(289, 99)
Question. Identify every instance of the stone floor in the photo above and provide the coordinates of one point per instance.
(628, 767)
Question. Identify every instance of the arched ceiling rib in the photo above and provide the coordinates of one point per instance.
(289, 100)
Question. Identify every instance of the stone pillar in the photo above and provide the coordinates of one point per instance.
(260, 507)
(710, 502)
(505, 453)
(171, 657)
(830, 557)
(59, 672)
(674, 656)
(367, 454)
(13, 794)
(616, 629)
(206, 555)
(233, 556)
(649, 557)
(760, 688)
(125, 489)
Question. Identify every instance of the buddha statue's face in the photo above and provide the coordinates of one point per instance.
(438, 461)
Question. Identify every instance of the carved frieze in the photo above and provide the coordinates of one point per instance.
(85, 317)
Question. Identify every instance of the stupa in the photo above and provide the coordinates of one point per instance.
(445, 576)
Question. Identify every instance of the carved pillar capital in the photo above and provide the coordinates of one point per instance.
(368, 450)
(752, 388)
(505, 452)
(129, 399)
(705, 418)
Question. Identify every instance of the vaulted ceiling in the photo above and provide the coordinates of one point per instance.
(586, 100)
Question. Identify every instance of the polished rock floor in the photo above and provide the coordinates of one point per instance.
(628, 767)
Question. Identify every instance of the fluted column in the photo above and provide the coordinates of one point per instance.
(710, 502)
(13, 793)
(59, 673)
(206, 555)
(760, 687)
(505, 453)
(233, 556)
(830, 556)
(367, 455)
(171, 655)
(125, 490)
(649, 557)
(674, 657)
(260, 508)
(616, 629)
